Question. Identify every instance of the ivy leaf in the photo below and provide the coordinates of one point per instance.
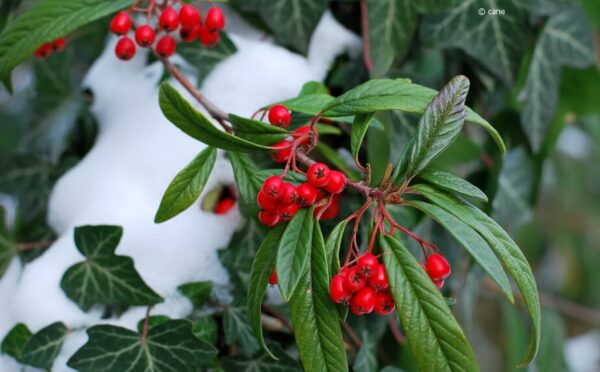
(293, 21)
(15, 340)
(433, 6)
(247, 182)
(237, 328)
(8, 247)
(496, 41)
(293, 252)
(43, 347)
(205, 59)
(262, 267)
(256, 131)
(448, 181)
(472, 242)
(314, 315)
(194, 124)
(435, 339)
(44, 22)
(169, 346)
(153, 321)
(566, 40)
(262, 362)
(197, 292)
(366, 359)
(206, 329)
(359, 129)
(439, 126)
(104, 278)
(187, 185)
(392, 24)
(505, 248)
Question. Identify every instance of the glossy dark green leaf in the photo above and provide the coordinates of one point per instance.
(196, 125)
(187, 185)
(8, 247)
(310, 104)
(448, 181)
(262, 362)
(237, 328)
(43, 347)
(257, 131)
(435, 338)
(332, 247)
(206, 329)
(170, 346)
(359, 129)
(204, 59)
(247, 182)
(15, 340)
(197, 292)
(153, 321)
(366, 358)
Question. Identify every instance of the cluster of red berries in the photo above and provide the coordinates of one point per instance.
(363, 286)
(47, 49)
(279, 201)
(280, 116)
(437, 267)
(188, 21)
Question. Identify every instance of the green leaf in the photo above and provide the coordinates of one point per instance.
(247, 182)
(314, 315)
(313, 87)
(366, 359)
(44, 22)
(197, 292)
(170, 346)
(448, 181)
(293, 252)
(359, 129)
(496, 41)
(505, 248)
(194, 124)
(187, 185)
(433, 6)
(104, 278)
(338, 161)
(262, 362)
(7, 8)
(472, 242)
(153, 321)
(43, 347)
(256, 131)
(332, 247)
(293, 21)
(435, 339)
(392, 24)
(15, 340)
(205, 59)
(262, 267)
(566, 40)
(552, 348)
(237, 329)
(310, 104)
(8, 247)
(206, 329)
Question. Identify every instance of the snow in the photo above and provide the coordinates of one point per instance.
(122, 179)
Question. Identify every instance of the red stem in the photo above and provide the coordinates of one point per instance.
(364, 17)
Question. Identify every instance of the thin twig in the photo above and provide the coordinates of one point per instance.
(35, 245)
(364, 18)
(146, 319)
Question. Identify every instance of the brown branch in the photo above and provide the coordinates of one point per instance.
(34, 245)
(146, 319)
(357, 341)
(274, 313)
(364, 18)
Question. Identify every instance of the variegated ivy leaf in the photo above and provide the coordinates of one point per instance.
(496, 41)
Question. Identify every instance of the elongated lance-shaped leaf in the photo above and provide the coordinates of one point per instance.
(248, 185)
(43, 347)
(359, 129)
(505, 248)
(262, 267)
(314, 316)
(435, 339)
(257, 131)
(450, 182)
(332, 247)
(187, 186)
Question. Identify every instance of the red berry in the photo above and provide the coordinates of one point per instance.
(367, 264)
(284, 152)
(379, 281)
(59, 44)
(207, 37)
(168, 20)
(437, 267)
(189, 16)
(337, 292)
(384, 303)
(145, 36)
(265, 202)
(336, 182)
(189, 34)
(215, 19)
(331, 212)
(280, 116)
(273, 187)
(287, 211)
(438, 283)
(224, 206)
(125, 49)
(318, 174)
(354, 281)
(363, 302)
(307, 194)
(166, 46)
(43, 51)
(268, 217)
(273, 277)
(289, 194)
(301, 131)
(120, 24)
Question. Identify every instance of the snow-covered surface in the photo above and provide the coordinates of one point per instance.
(122, 179)
(583, 352)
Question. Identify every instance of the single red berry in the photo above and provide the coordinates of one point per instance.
(224, 206)
(207, 37)
(367, 264)
(301, 131)
(363, 301)
(273, 187)
(189, 34)
(289, 194)
(438, 283)
(59, 44)
(284, 151)
(336, 183)
(189, 16)
(280, 116)
(145, 36)
(437, 266)
(215, 19)
(318, 174)
(307, 194)
(337, 292)
(268, 217)
(125, 49)
(384, 303)
(379, 281)
(166, 46)
(120, 24)
(43, 51)
(265, 202)
(273, 277)
(168, 20)
(287, 211)
(354, 281)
